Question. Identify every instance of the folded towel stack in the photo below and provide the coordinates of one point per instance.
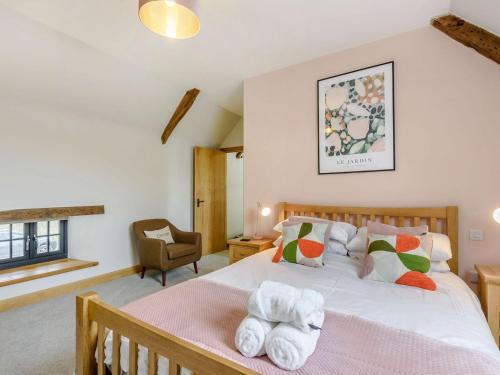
(277, 302)
(251, 336)
(284, 322)
(289, 347)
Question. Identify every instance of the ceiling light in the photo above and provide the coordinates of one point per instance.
(173, 19)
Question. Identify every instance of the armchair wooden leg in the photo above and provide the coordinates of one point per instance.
(195, 267)
(142, 272)
(163, 277)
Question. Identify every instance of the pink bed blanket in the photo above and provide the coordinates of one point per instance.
(209, 313)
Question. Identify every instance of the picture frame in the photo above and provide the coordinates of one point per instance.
(356, 121)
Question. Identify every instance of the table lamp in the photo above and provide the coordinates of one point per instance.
(261, 211)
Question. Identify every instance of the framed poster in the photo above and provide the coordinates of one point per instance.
(356, 121)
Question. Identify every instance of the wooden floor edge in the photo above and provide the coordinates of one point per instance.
(41, 295)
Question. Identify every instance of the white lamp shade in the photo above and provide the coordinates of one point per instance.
(173, 19)
(496, 215)
(266, 211)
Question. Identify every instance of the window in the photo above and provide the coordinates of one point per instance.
(26, 243)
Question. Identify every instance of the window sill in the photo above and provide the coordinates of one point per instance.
(40, 270)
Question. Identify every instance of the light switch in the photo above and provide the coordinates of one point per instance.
(476, 235)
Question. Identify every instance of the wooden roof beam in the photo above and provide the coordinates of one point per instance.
(484, 42)
(184, 106)
(228, 150)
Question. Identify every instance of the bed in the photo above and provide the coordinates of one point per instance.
(149, 343)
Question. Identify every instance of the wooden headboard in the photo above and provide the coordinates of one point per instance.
(439, 219)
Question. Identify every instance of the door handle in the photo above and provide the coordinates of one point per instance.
(198, 201)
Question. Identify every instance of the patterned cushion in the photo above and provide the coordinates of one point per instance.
(400, 259)
(303, 243)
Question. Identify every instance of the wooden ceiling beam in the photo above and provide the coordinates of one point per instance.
(484, 42)
(228, 150)
(181, 110)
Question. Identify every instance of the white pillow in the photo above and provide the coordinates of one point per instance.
(334, 246)
(342, 232)
(161, 234)
(347, 227)
(339, 234)
(277, 241)
(279, 227)
(358, 243)
(357, 255)
(441, 247)
(440, 266)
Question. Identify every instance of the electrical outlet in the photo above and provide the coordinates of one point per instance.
(476, 234)
(473, 276)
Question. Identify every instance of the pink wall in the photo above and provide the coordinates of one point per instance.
(447, 101)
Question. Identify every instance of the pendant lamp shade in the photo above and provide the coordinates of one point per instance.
(173, 19)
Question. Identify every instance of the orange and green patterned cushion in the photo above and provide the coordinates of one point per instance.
(303, 243)
(401, 259)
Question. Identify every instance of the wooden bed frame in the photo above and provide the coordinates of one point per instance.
(93, 316)
(439, 219)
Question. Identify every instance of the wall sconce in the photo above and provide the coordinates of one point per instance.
(496, 215)
(261, 211)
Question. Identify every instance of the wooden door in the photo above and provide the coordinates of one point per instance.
(210, 198)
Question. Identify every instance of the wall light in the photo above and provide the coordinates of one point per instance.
(496, 215)
(173, 19)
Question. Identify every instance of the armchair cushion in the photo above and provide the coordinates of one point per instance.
(178, 250)
(161, 234)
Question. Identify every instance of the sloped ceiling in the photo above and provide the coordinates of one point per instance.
(484, 13)
(43, 67)
(239, 39)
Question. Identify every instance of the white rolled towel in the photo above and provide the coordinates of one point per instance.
(289, 347)
(278, 302)
(251, 336)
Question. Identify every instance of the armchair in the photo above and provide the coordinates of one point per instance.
(156, 254)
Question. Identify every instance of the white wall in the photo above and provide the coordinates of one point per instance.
(234, 182)
(234, 191)
(79, 127)
(235, 136)
(53, 158)
(178, 155)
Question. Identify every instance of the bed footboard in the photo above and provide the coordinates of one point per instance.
(93, 316)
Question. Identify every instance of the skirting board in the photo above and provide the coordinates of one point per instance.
(27, 299)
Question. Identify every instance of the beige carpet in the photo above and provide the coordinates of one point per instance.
(40, 338)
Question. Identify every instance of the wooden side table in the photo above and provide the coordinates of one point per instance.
(489, 294)
(241, 249)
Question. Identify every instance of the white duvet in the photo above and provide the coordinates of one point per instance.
(452, 313)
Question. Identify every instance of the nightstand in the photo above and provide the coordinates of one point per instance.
(489, 294)
(241, 249)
